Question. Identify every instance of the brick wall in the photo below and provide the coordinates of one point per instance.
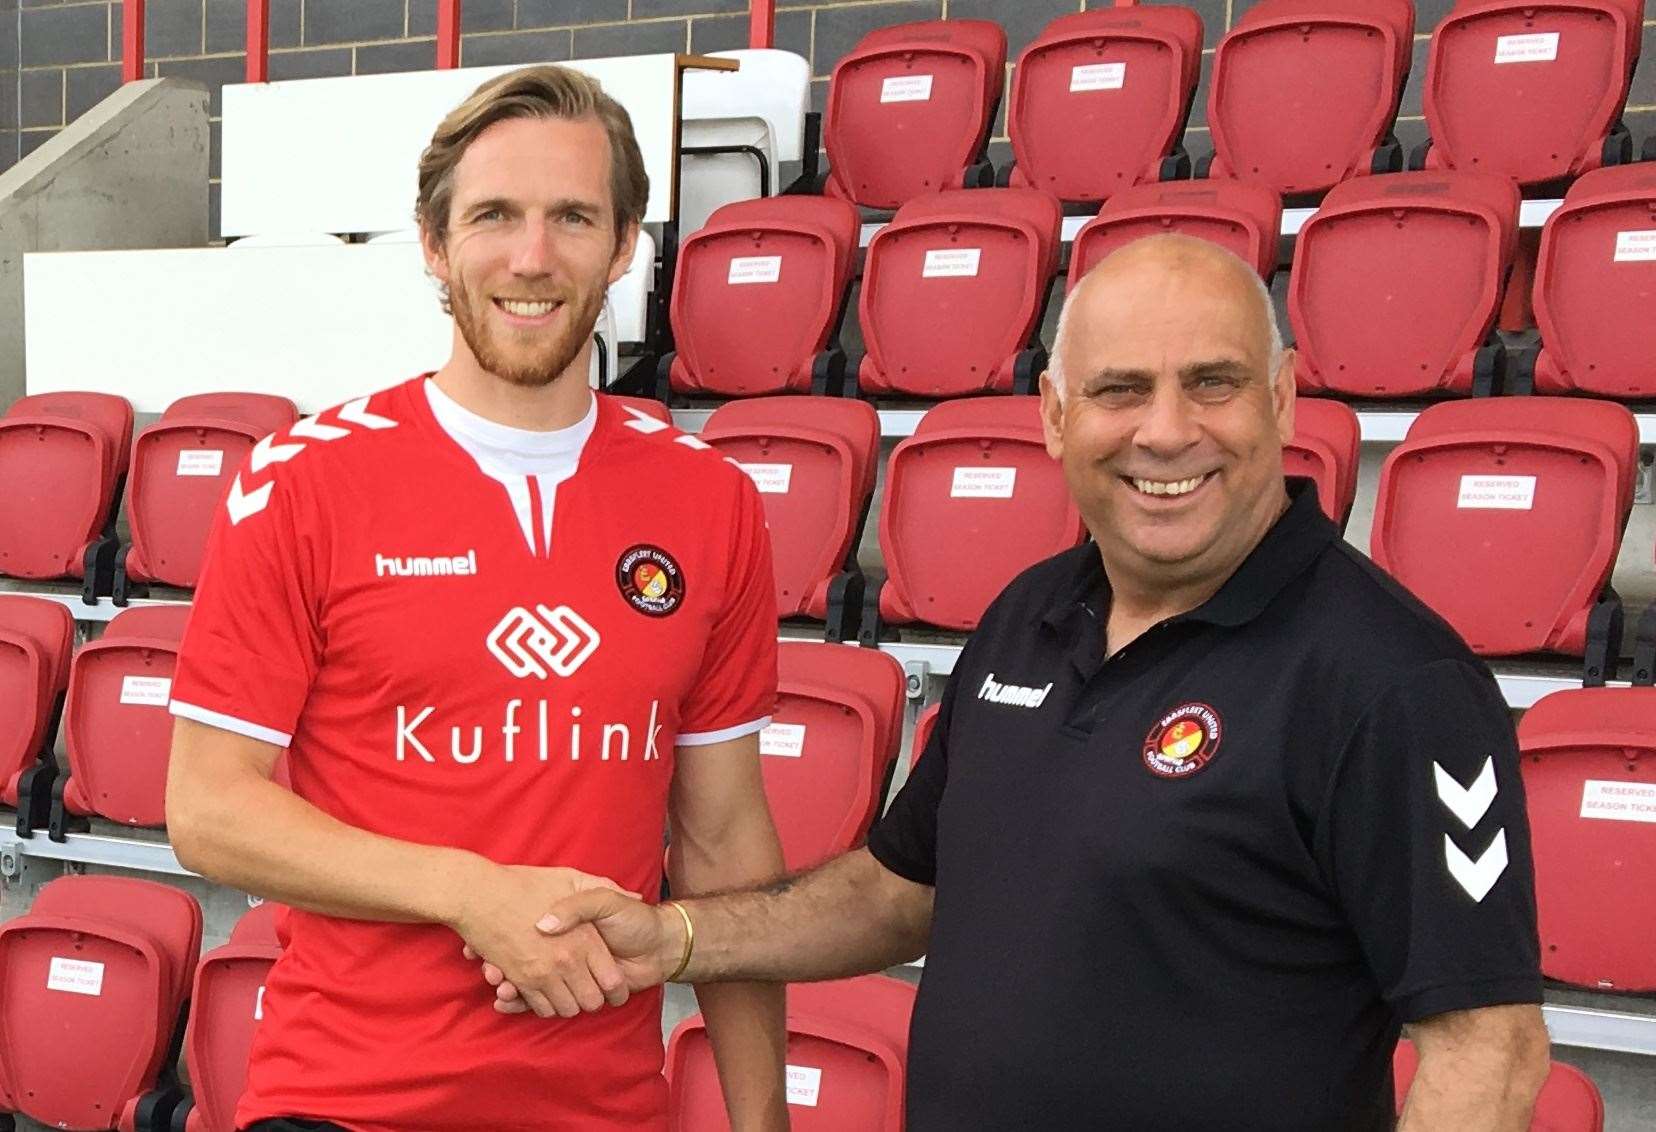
(58, 57)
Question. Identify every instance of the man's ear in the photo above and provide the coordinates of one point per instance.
(1052, 416)
(624, 249)
(435, 251)
(1283, 391)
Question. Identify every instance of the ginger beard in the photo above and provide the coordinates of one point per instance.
(526, 357)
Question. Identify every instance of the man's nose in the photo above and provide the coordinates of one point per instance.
(532, 250)
(1169, 424)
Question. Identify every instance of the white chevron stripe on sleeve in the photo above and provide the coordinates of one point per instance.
(1477, 877)
(1468, 803)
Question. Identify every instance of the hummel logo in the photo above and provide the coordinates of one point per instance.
(443, 566)
(1014, 694)
(528, 645)
(1469, 804)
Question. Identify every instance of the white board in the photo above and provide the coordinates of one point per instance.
(339, 154)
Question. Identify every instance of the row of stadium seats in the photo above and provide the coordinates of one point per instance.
(1396, 285)
(1303, 94)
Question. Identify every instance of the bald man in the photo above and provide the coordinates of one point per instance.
(1264, 813)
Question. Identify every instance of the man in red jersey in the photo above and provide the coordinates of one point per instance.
(498, 624)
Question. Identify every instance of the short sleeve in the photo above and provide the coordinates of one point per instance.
(254, 642)
(1427, 845)
(734, 693)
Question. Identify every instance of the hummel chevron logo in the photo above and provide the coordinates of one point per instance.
(528, 645)
(241, 503)
(1468, 803)
(1477, 877)
(643, 422)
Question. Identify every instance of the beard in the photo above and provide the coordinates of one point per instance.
(527, 359)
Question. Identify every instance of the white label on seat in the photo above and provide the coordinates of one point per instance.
(1497, 493)
(1619, 801)
(942, 262)
(804, 1084)
(1536, 47)
(974, 482)
(1639, 244)
(77, 976)
(770, 479)
(755, 269)
(784, 739)
(906, 88)
(150, 691)
(1098, 76)
(200, 461)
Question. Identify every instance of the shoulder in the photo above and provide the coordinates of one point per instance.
(1032, 593)
(667, 455)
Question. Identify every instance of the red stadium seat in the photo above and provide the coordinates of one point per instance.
(759, 294)
(1325, 447)
(116, 726)
(847, 1050)
(1304, 92)
(909, 109)
(1478, 486)
(1100, 100)
(1241, 216)
(225, 1011)
(1531, 90)
(92, 981)
(36, 637)
(1569, 1101)
(922, 733)
(1595, 280)
(181, 467)
(62, 456)
(1397, 283)
(953, 293)
(1589, 767)
(971, 500)
(832, 742)
(814, 461)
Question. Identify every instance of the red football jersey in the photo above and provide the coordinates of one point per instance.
(449, 665)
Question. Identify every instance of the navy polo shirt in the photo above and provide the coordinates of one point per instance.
(1202, 883)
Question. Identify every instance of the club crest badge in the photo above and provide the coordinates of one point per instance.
(650, 580)
(1182, 742)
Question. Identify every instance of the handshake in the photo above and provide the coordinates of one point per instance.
(593, 944)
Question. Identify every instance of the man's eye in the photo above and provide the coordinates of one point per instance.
(489, 215)
(577, 218)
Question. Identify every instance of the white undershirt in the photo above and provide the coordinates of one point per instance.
(512, 455)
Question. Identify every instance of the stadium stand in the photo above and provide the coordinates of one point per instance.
(1569, 1101)
(1534, 92)
(36, 637)
(181, 468)
(1396, 284)
(739, 127)
(1243, 216)
(93, 982)
(1325, 449)
(814, 461)
(1594, 276)
(1304, 93)
(954, 291)
(116, 727)
(909, 111)
(1479, 485)
(758, 297)
(226, 1007)
(971, 499)
(831, 746)
(63, 459)
(847, 1046)
(1100, 100)
(1590, 785)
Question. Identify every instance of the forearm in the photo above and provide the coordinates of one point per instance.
(1477, 1078)
(847, 917)
(249, 833)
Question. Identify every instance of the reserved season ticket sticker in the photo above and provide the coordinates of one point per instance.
(1097, 76)
(804, 1085)
(1497, 493)
(76, 976)
(200, 462)
(974, 482)
(149, 691)
(1636, 246)
(784, 739)
(770, 479)
(1535, 47)
(944, 262)
(755, 269)
(1619, 801)
(906, 88)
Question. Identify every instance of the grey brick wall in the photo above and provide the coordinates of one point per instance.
(59, 57)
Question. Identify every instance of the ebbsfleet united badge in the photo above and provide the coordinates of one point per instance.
(650, 580)
(1182, 742)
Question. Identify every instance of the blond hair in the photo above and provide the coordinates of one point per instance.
(534, 92)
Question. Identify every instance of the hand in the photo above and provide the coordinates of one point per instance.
(560, 976)
(646, 941)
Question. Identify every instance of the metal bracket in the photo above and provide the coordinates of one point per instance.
(1643, 490)
(917, 672)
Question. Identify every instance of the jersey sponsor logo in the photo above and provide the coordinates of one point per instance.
(650, 580)
(1013, 695)
(1183, 741)
(419, 566)
(1469, 804)
(614, 741)
(543, 641)
(243, 503)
